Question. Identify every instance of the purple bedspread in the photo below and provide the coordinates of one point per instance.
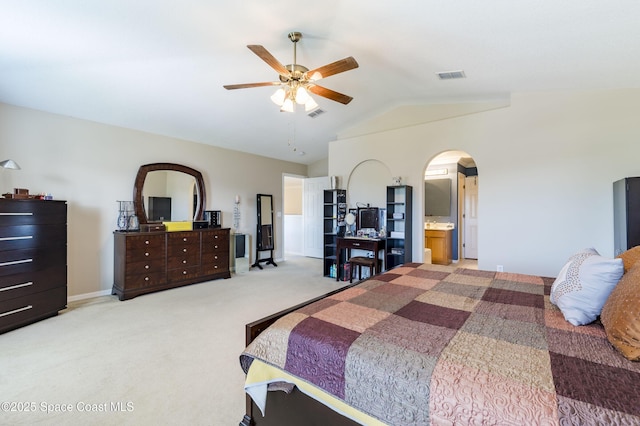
(426, 344)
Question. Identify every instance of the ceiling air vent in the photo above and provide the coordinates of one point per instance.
(316, 112)
(450, 75)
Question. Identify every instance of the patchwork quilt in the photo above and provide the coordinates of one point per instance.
(427, 344)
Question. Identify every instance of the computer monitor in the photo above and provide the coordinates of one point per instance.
(369, 218)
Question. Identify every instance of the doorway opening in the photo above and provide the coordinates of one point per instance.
(451, 210)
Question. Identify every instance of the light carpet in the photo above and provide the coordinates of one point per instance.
(165, 358)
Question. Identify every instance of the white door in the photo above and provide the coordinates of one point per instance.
(471, 218)
(312, 211)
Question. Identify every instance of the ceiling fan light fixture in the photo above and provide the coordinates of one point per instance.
(310, 105)
(302, 96)
(278, 97)
(288, 105)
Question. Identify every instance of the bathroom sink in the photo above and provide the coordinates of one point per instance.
(443, 226)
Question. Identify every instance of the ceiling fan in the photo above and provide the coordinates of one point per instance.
(296, 81)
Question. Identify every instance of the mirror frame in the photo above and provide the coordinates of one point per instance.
(142, 175)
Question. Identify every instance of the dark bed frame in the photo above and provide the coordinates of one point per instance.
(294, 408)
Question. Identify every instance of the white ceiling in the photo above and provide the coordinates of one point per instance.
(159, 65)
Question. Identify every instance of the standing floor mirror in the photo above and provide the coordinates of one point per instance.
(264, 232)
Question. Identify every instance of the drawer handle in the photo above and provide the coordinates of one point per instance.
(215, 247)
(356, 244)
(27, 237)
(184, 250)
(146, 253)
(13, 287)
(216, 237)
(215, 267)
(215, 257)
(146, 278)
(16, 214)
(184, 272)
(184, 261)
(15, 311)
(146, 266)
(184, 239)
(146, 242)
(16, 262)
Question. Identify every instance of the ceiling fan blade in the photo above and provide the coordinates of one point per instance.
(269, 59)
(329, 94)
(249, 85)
(336, 67)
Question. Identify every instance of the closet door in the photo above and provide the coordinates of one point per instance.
(312, 214)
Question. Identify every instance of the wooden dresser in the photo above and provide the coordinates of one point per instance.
(145, 262)
(33, 261)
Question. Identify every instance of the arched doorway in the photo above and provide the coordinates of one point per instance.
(451, 205)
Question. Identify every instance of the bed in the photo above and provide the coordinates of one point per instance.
(429, 344)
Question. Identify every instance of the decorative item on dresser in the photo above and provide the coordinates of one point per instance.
(33, 261)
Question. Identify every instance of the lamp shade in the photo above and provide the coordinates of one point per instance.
(278, 97)
(302, 97)
(9, 164)
(287, 106)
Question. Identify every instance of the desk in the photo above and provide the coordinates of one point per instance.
(369, 244)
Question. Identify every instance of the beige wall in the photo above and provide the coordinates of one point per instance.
(546, 165)
(92, 165)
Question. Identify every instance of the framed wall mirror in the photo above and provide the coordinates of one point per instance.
(168, 192)
(264, 232)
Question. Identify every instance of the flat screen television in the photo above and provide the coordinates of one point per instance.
(369, 218)
(159, 209)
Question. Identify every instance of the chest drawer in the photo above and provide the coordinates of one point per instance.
(22, 284)
(30, 260)
(26, 236)
(27, 309)
(32, 212)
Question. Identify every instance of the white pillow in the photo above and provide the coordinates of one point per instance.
(584, 284)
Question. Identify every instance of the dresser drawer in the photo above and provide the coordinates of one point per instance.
(181, 274)
(27, 309)
(212, 264)
(18, 285)
(183, 260)
(140, 242)
(151, 279)
(179, 239)
(215, 240)
(145, 266)
(30, 260)
(146, 254)
(27, 236)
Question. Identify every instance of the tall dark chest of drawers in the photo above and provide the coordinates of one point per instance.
(145, 262)
(33, 261)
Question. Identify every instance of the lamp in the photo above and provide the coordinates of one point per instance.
(292, 93)
(9, 164)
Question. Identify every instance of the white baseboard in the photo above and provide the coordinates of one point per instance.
(88, 295)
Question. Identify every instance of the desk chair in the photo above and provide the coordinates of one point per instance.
(361, 261)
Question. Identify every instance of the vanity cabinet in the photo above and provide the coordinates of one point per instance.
(153, 261)
(33, 261)
(439, 241)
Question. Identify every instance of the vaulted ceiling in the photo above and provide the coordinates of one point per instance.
(159, 65)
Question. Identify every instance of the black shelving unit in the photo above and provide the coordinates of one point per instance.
(399, 219)
(334, 212)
